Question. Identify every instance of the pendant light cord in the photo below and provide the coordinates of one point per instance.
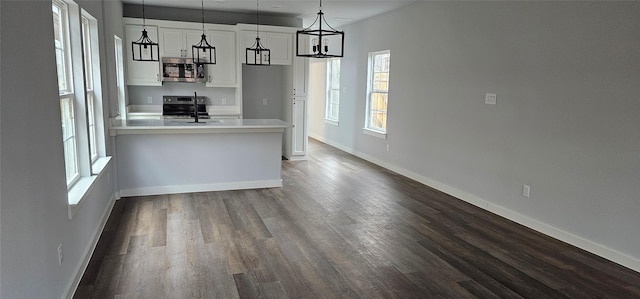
(144, 23)
(257, 20)
(202, 2)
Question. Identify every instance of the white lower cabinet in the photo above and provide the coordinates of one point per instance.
(299, 131)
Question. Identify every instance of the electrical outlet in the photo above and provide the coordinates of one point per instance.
(60, 254)
(149, 100)
(264, 101)
(387, 147)
(490, 99)
(224, 101)
(526, 191)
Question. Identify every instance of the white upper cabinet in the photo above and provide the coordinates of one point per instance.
(301, 72)
(279, 44)
(300, 76)
(144, 73)
(177, 42)
(223, 73)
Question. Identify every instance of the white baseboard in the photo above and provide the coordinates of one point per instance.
(88, 252)
(580, 242)
(200, 188)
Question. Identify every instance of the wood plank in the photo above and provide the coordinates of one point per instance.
(340, 227)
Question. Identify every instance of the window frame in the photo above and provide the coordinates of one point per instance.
(67, 96)
(373, 89)
(77, 45)
(89, 83)
(332, 102)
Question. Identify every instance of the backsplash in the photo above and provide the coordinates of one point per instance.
(219, 96)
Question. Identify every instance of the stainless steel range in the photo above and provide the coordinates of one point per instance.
(183, 107)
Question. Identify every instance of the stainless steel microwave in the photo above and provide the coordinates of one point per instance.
(175, 69)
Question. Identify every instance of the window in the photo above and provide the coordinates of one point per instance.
(332, 108)
(378, 92)
(89, 91)
(65, 89)
(122, 109)
(78, 66)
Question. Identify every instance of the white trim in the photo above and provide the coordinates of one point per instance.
(83, 186)
(200, 188)
(374, 133)
(580, 242)
(297, 157)
(72, 286)
(331, 122)
(191, 130)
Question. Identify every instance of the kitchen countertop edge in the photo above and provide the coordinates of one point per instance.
(160, 126)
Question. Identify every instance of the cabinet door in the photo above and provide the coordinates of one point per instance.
(299, 132)
(300, 76)
(223, 73)
(193, 37)
(281, 46)
(247, 39)
(171, 42)
(145, 73)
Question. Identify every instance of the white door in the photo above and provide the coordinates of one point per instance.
(299, 133)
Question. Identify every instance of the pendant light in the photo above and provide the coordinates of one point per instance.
(144, 48)
(199, 50)
(257, 54)
(323, 42)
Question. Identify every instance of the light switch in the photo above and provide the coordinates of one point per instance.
(490, 99)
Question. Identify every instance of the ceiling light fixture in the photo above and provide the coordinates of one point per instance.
(317, 45)
(257, 54)
(144, 45)
(199, 50)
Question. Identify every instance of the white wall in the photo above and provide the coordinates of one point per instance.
(263, 82)
(566, 123)
(33, 194)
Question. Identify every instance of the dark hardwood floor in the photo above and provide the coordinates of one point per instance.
(340, 227)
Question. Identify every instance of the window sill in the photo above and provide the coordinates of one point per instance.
(332, 122)
(83, 186)
(373, 133)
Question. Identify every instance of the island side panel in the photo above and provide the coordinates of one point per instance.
(151, 164)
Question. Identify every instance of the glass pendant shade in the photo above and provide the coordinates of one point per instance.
(203, 52)
(258, 54)
(144, 49)
(321, 42)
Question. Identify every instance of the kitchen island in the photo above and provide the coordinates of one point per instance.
(165, 156)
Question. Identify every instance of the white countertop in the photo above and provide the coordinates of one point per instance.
(172, 126)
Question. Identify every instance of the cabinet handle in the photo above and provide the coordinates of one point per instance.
(209, 78)
(294, 91)
(158, 76)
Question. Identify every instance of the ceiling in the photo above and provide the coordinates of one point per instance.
(337, 12)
